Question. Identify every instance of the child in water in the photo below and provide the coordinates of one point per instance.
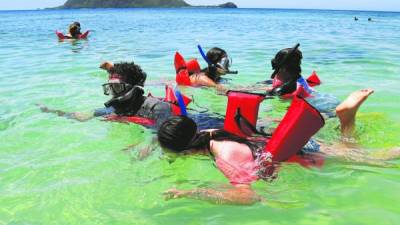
(125, 86)
(242, 160)
(74, 30)
(210, 76)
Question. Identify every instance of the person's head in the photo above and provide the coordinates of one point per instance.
(77, 24)
(219, 60)
(179, 134)
(74, 29)
(123, 77)
(287, 64)
(125, 84)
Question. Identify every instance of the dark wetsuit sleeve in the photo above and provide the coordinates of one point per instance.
(103, 111)
(162, 111)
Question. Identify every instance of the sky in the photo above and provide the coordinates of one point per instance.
(378, 5)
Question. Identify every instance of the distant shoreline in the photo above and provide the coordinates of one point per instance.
(201, 7)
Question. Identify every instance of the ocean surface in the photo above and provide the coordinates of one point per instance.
(55, 170)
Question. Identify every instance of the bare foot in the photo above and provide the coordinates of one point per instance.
(347, 110)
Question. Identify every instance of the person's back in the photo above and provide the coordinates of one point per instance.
(235, 160)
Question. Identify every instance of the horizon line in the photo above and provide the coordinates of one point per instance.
(356, 10)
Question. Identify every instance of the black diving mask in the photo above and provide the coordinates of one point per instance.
(131, 95)
(225, 63)
(116, 89)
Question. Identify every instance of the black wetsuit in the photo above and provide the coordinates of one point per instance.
(159, 110)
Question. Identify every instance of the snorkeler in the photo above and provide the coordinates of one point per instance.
(218, 66)
(125, 86)
(243, 161)
(74, 32)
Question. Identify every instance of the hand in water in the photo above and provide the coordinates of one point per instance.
(173, 193)
(221, 90)
(42, 108)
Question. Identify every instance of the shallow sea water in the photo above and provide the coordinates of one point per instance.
(58, 171)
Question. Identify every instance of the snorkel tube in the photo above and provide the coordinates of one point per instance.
(181, 102)
(203, 55)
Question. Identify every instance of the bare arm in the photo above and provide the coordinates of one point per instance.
(201, 79)
(241, 195)
(82, 117)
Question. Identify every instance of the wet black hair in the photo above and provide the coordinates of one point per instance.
(77, 24)
(179, 133)
(74, 30)
(216, 54)
(291, 64)
(130, 72)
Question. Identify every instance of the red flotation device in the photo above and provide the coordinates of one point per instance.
(131, 119)
(299, 124)
(184, 69)
(61, 36)
(313, 80)
(170, 97)
(241, 105)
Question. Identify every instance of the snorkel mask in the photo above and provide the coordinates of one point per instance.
(130, 96)
(122, 93)
(116, 89)
(224, 63)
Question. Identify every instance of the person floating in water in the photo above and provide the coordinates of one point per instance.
(370, 19)
(243, 160)
(125, 86)
(74, 32)
(218, 66)
(287, 80)
(356, 18)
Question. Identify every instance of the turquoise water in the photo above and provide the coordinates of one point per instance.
(57, 171)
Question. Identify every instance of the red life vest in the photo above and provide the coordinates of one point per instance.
(299, 124)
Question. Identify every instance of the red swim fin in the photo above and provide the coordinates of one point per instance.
(179, 62)
(182, 73)
(193, 66)
(313, 79)
(299, 124)
(244, 104)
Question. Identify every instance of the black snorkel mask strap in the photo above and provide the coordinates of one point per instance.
(284, 61)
